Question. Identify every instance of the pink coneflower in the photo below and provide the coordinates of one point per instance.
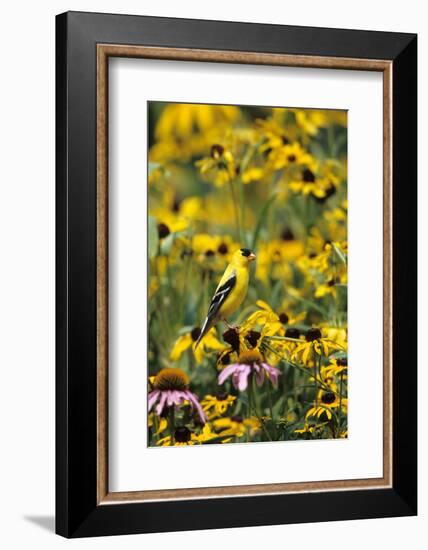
(171, 388)
(248, 362)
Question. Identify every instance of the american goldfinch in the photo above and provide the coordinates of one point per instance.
(231, 290)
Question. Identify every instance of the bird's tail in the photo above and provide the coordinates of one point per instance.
(205, 328)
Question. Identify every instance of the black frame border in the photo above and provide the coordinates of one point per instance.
(77, 512)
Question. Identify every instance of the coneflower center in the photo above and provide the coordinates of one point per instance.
(171, 379)
(250, 357)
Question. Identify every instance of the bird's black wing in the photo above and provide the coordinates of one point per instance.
(220, 296)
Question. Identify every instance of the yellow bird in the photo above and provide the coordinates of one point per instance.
(231, 291)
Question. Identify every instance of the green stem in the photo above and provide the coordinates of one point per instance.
(242, 212)
(172, 424)
(301, 369)
(252, 406)
(340, 398)
(236, 208)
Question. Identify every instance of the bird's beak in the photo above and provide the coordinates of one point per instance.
(251, 257)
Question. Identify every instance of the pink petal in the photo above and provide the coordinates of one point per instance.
(194, 402)
(153, 396)
(161, 403)
(226, 372)
(243, 378)
(260, 376)
(272, 372)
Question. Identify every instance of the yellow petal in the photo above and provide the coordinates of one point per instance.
(183, 343)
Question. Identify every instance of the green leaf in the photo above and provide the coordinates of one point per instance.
(339, 253)
(153, 237)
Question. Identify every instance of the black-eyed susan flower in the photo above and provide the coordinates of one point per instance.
(188, 340)
(315, 344)
(171, 389)
(336, 367)
(327, 401)
(236, 426)
(290, 156)
(183, 437)
(274, 258)
(216, 405)
(219, 168)
(249, 362)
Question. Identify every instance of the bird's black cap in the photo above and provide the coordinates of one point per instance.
(246, 251)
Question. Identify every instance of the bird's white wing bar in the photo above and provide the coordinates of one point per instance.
(220, 296)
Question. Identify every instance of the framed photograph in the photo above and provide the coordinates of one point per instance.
(236, 274)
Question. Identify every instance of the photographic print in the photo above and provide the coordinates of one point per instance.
(247, 274)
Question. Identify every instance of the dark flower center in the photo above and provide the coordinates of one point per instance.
(252, 337)
(291, 158)
(176, 204)
(283, 317)
(342, 362)
(163, 230)
(287, 235)
(285, 141)
(171, 379)
(237, 169)
(231, 336)
(237, 418)
(209, 253)
(224, 357)
(328, 397)
(292, 333)
(313, 334)
(221, 396)
(196, 332)
(223, 249)
(308, 175)
(331, 190)
(217, 150)
(182, 434)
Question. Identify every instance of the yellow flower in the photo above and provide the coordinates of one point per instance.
(262, 317)
(188, 340)
(182, 120)
(310, 120)
(315, 344)
(326, 402)
(336, 367)
(254, 173)
(216, 405)
(213, 250)
(337, 336)
(290, 156)
(273, 258)
(184, 437)
(219, 168)
(237, 426)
